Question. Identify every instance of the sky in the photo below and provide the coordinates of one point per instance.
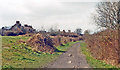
(63, 14)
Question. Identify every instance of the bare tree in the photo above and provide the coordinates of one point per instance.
(42, 28)
(53, 30)
(108, 15)
(86, 32)
(78, 31)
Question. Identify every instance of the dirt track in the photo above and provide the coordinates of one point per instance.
(72, 58)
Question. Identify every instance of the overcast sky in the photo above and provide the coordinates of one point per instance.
(65, 14)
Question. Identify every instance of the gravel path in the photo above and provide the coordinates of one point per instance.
(72, 58)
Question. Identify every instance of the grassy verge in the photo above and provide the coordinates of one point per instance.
(94, 63)
(15, 55)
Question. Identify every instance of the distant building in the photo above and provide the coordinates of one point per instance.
(16, 29)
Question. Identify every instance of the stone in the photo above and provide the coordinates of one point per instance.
(69, 61)
(69, 55)
(85, 67)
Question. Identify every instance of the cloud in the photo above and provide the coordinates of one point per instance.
(47, 13)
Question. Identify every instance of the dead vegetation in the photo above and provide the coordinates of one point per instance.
(41, 43)
(105, 46)
(46, 43)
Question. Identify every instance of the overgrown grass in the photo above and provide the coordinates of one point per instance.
(94, 63)
(15, 55)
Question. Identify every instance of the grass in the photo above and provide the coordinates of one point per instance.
(15, 55)
(65, 46)
(94, 63)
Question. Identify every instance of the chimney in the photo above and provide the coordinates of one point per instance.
(17, 22)
(59, 30)
(69, 31)
(63, 31)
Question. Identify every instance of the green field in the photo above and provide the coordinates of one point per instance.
(16, 55)
(94, 63)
